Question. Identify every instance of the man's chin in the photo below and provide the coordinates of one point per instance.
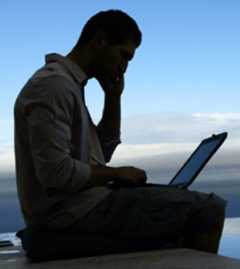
(100, 77)
(104, 78)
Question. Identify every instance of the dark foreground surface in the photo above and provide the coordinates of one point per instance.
(159, 259)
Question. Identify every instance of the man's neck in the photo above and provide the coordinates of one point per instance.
(83, 60)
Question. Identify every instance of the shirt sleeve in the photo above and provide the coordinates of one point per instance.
(49, 118)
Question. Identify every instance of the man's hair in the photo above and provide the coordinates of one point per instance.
(117, 26)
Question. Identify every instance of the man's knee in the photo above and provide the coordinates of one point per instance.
(216, 206)
(207, 214)
(213, 213)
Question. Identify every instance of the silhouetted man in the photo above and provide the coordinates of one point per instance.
(62, 178)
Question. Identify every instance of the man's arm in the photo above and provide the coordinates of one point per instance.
(109, 127)
(111, 119)
(49, 119)
(49, 115)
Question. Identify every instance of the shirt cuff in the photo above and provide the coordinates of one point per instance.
(81, 176)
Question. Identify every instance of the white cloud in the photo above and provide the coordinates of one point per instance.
(154, 139)
(6, 132)
(218, 116)
(7, 158)
(228, 154)
(133, 151)
(178, 128)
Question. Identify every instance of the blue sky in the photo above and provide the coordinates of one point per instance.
(186, 70)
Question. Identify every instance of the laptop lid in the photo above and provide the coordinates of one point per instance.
(199, 158)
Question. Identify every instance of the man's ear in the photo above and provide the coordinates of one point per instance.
(100, 39)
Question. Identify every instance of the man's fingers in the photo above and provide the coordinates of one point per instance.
(112, 86)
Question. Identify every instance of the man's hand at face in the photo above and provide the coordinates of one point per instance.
(113, 87)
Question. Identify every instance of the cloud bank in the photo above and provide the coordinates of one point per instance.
(161, 142)
(178, 128)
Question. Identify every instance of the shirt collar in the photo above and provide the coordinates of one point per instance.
(71, 67)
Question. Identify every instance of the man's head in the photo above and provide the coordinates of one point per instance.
(117, 26)
(111, 38)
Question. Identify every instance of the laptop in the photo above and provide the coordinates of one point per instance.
(193, 166)
(196, 162)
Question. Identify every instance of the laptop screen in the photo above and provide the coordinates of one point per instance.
(197, 161)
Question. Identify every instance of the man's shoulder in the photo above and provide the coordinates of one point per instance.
(50, 79)
(48, 83)
(52, 71)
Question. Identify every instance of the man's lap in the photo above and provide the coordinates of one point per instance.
(146, 212)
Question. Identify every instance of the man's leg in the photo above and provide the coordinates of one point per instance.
(161, 213)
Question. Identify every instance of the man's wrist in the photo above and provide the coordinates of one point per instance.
(113, 96)
(101, 174)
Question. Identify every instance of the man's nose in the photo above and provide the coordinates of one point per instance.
(124, 67)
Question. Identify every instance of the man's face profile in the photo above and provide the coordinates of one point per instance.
(112, 60)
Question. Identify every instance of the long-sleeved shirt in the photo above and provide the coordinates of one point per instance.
(55, 143)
